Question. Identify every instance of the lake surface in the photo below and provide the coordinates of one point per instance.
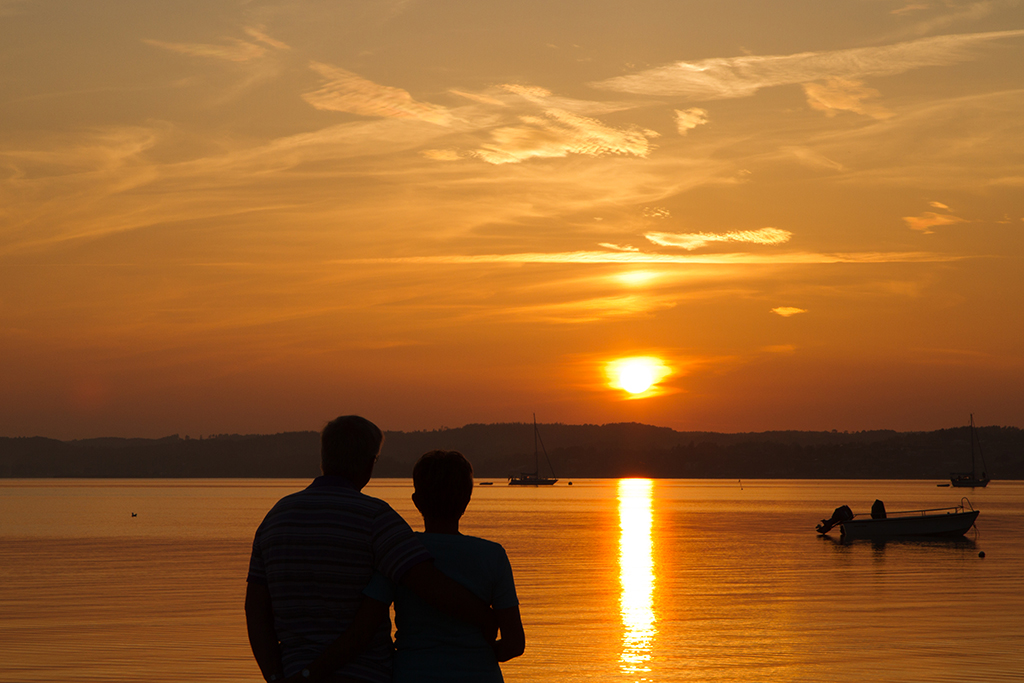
(619, 580)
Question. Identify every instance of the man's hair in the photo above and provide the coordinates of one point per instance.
(444, 484)
(349, 446)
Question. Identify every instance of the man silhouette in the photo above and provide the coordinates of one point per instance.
(313, 555)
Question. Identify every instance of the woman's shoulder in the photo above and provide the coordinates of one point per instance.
(462, 542)
(483, 543)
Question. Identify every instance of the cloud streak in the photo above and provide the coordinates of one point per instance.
(841, 94)
(731, 77)
(518, 122)
(345, 91)
(560, 133)
(687, 120)
(928, 220)
(619, 257)
(551, 130)
(258, 34)
(236, 51)
(696, 240)
(590, 309)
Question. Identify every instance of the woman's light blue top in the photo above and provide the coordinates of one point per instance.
(432, 646)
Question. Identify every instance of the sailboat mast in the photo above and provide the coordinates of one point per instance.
(974, 467)
(536, 454)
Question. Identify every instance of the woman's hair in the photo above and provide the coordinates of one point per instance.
(444, 484)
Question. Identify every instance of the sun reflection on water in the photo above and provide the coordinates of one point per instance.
(636, 574)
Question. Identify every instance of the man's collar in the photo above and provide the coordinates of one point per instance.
(332, 480)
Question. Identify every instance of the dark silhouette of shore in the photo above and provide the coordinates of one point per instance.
(581, 451)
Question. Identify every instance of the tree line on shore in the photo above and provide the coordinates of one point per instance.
(580, 451)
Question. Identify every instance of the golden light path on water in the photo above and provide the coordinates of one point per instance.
(636, 574)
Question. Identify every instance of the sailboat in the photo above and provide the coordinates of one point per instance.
(971, 479)
(534, 478)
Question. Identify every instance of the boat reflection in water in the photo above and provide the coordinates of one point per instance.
(636, 574)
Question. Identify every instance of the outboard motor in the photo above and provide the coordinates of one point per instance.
(843, 513)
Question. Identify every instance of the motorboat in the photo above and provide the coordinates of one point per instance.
(950, 522)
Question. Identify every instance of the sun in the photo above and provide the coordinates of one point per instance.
(637, 375)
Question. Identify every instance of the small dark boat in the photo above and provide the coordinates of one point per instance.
(951, 522)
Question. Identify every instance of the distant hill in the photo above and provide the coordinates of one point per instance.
(581, 451)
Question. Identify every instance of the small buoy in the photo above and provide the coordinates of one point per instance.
(981, 554)
(570, 483)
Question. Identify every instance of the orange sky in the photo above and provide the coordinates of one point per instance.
(255, 216)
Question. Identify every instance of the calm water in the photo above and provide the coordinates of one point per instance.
(632, 580)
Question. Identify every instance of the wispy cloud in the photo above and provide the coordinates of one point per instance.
(841, 94)
(589, 309)
(688, 119)
(788, 311)
(93, 152)
(258, 34)
(345, 91)
(555, 126)
(910, 7)
(780, 348)
(696, 240)
(442, 154)
(547, 100)
(811, 158)
(963, 141)
(720, 78)
(529, 92)
(951, 13)
(513, 123)
(928, 220)
(618, 257)
(255, 58)
(480, 99)
(560, 133)
(70, 187)
(234, 51)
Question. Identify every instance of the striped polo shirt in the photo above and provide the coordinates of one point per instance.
(315, 551)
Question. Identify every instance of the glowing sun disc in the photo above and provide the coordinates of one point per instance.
(637, 375)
